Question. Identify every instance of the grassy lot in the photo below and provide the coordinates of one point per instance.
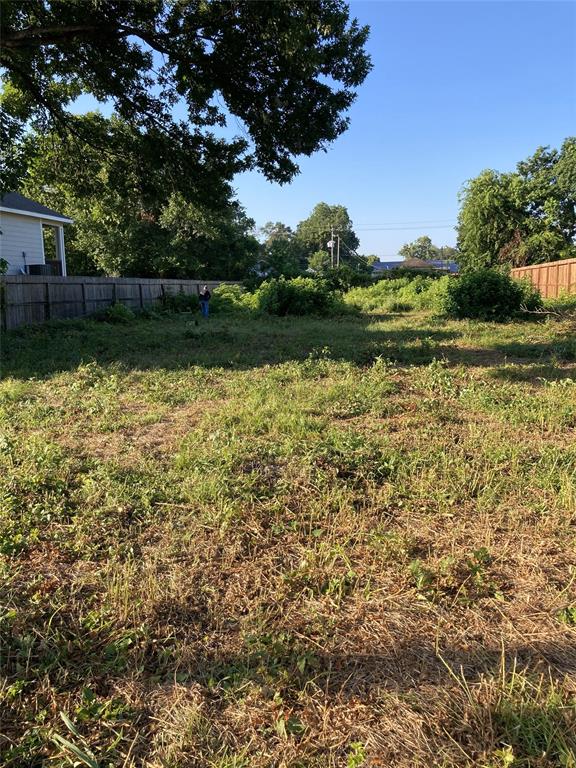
(288, 542)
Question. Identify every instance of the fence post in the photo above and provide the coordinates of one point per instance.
(84, 305)
(141, 296)
(47, 307)
(3, 298)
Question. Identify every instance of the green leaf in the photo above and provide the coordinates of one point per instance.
(85, 757)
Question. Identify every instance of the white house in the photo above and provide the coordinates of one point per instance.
(30, 234)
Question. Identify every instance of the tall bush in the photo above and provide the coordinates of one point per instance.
(409, 292)
(488, 294)
(228, 298)
(299, 296)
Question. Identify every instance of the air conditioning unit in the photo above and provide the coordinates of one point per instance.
(40, 269)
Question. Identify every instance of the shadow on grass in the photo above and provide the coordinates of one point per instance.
(239, 342)
(540, 374)
(531, 720)
(411, 663)
(179, 341)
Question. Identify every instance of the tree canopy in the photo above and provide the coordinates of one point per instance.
(315, 231)
(134, 212)
(280, 252)
(287, 70)
(423, 248)
(524, 217)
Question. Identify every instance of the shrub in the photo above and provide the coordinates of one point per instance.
(149, 313)
(488, 294)
(531, 296)
(299, 296)
(3, 266)
(401, 294)
(227, 298)
(116, 313)
(180, 302)
(344, 278)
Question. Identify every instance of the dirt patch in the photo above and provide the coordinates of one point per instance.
(157, 439)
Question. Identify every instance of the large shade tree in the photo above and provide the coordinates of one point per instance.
(524, 217)
(315, 232)
(287, 70)
(134, 212)
(281, 253)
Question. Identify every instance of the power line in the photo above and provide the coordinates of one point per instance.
(390, 229)
(427, 224)
(407, 223)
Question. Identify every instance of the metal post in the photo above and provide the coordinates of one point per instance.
(332, 247)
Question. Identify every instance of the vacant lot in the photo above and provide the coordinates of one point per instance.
(288, 542)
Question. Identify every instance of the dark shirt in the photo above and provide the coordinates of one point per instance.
(205, 295)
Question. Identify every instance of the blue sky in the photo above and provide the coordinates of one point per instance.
(456, 87)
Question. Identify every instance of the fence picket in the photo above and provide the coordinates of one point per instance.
(30, 299)
(552, 278)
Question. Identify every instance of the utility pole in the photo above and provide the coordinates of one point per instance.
(338, 252)
(332, 247)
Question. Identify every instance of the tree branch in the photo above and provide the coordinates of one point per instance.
(40, 35)
(45, 35)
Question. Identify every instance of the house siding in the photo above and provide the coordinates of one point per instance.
(20, 233)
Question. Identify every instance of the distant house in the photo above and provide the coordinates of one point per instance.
(383, 266)
(445, 265)
(416, 264)
(31, 237)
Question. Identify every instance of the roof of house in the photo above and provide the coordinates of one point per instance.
(380, 265)
(439, 264)
(446, 265)
(14, 202)
(415, 263)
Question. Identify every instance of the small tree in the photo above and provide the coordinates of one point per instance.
(316, 231)
(319, 262)
(422, 248)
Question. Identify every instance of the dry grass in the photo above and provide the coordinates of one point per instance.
(298, 557)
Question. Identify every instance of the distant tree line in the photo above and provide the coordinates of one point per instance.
(291, 252)
(423, 248)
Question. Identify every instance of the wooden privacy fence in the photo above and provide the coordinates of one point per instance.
(551, 279)
(26, 299)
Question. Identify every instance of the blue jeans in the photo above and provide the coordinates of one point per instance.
(204, 308)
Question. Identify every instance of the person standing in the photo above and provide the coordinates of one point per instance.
(205, 297)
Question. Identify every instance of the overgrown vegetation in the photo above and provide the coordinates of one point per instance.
(485, 294)
(281, 297)
(288, 541)
(300, 296)
(400, 294)
(488, 294)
